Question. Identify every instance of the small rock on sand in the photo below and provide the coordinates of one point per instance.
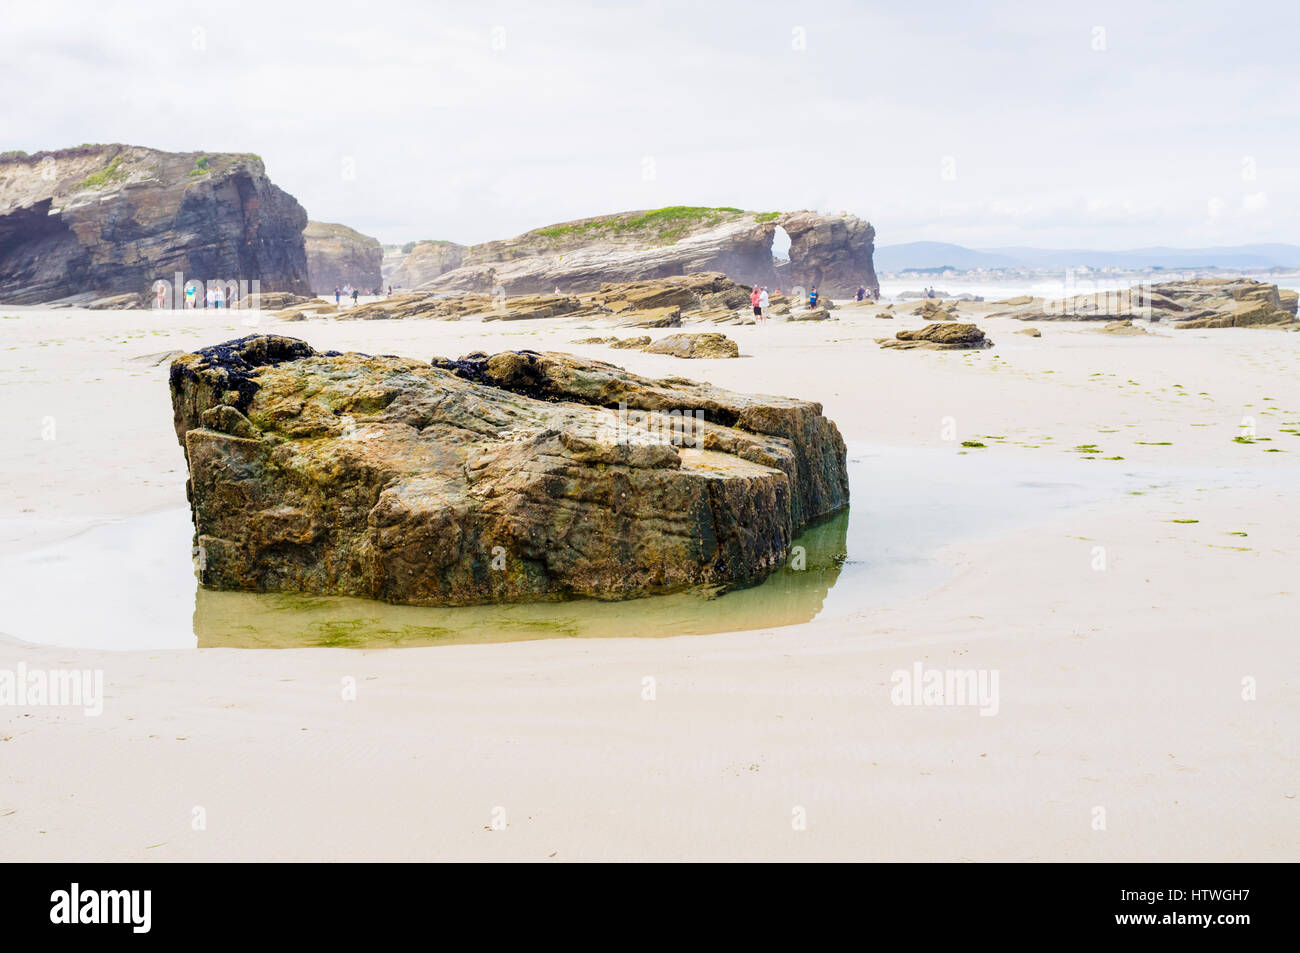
(1122, 327)
(939, 337)
(694, 346)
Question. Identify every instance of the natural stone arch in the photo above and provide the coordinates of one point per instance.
(781, 242)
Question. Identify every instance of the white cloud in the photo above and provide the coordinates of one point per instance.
(455, 139)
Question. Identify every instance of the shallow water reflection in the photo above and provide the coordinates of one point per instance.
(283, 620)
(130, 585)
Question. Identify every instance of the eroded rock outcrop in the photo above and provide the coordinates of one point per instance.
(934, 310)
(832, 252)
(659, 302)
(519, 476)
(1226, 303)
(425, 262)
(1194, 303)
(688, 346)
(338, 256)
(110, 220)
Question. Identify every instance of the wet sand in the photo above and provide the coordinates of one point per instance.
(1120, 687)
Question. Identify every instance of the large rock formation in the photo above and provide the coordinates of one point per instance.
(659, 302)
(702, 298)
(339, 256)
(425, 262)
(1193, 303)
(832, 252)
(394, 257)
(111, 219)
(1225, 303)
(521, 476)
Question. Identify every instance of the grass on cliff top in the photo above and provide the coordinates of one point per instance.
(113, 172)
(200, 167)
(671, 222)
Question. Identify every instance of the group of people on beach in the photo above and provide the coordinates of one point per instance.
(214, 297)
(759, 298)
(347, 291)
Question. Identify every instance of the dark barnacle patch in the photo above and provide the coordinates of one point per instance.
(520, 376)
(524, 374)
(235, 362)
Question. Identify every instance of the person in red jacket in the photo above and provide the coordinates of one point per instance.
(755, 298)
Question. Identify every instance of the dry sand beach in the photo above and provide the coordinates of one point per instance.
(1126, 626)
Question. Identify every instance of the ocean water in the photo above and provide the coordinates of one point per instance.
(1041, 288)
(130, 584)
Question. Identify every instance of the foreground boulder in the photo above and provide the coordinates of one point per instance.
(519, 476)
(939, 337)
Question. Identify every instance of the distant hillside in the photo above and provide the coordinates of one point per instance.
(923, 255)
(932, 255)
(1230, 256)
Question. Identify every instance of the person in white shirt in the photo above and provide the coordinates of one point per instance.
(763, 301)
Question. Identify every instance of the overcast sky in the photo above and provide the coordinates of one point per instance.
(986, 124)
